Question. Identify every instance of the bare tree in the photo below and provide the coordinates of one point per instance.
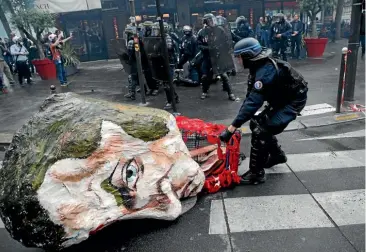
(4, 21)
(312, 8)
(38, 21)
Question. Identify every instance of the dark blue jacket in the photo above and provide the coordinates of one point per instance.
(261, 84)
(283, 28)
(297, 26)
(241, 32)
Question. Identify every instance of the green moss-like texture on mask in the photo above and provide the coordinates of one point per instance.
(67, 126)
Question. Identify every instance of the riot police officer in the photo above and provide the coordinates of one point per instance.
(242, 30)
(133, 76)
(188, 50)
(172, 61)
(285, 91)
(279, 33)
(212, 37)
(151, 83)
(177, 41)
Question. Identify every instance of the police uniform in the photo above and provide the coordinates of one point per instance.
(279, 45)
(133, 80)
(283, 88)
(205, 36)
(172, 62)
(243, 29)
(188, 50)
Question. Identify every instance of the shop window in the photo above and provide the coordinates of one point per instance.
(109, 4)
(148, 4)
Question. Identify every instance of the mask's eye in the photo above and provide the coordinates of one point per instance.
(131, 173)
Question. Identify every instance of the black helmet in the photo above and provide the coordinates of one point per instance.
(279, 18)
(240, 20)
(250, 49)
(209, 19)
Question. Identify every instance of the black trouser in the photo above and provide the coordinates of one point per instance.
(151, 83)
(296, 41)
(279, 48)
(269, 123)
(23, 71)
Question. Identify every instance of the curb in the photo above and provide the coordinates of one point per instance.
(317, 122)
(6, 138)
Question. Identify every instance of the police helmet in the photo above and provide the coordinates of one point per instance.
(250, 49)
(221, 21)
(279, 18)
(129, 30)
(240, 20)
(187, 30)
(209, 20)
(147, 28)
(156, 28)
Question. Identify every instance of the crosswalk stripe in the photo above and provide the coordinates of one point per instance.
(344, 207)
(358, 133)
(273, 213)
(217, 218)
(315, 109)
(315, 161)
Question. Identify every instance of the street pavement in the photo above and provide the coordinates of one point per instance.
(106, 80)
(315, 202)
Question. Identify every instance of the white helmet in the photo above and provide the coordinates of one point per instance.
(51, 37)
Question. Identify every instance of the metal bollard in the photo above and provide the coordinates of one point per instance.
(342, 80)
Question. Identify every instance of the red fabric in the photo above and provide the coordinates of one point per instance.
(212, 131)
(226, 175)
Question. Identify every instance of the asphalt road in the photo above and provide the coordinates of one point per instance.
(314, 203)
(105, 80)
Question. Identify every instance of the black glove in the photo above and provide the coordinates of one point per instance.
(226, 135)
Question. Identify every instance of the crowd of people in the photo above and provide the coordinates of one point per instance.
(194, 48)
(16, 58)
(17, 54)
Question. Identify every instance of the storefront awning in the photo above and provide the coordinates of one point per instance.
(59, 6)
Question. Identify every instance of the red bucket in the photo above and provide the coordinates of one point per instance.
(45, 68)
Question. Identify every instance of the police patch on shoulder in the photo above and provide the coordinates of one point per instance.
(258, 85)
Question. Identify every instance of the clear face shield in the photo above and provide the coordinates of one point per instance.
(210, 22)
(155, 31)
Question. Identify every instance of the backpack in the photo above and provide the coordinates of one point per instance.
(292, 79)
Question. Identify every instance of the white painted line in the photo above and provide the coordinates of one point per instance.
(315, 109)
(358, 133)
(273, 213)
(1, 224)
(344, 207)
(314, 161)
(326, 160)
(217, 218)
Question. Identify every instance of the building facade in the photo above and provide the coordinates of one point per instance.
(94, 28)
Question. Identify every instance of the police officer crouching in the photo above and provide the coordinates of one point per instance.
(188, 50)
(285, 91)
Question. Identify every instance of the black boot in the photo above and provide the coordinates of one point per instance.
(276, 154)
(251, 178)
(258, 157)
